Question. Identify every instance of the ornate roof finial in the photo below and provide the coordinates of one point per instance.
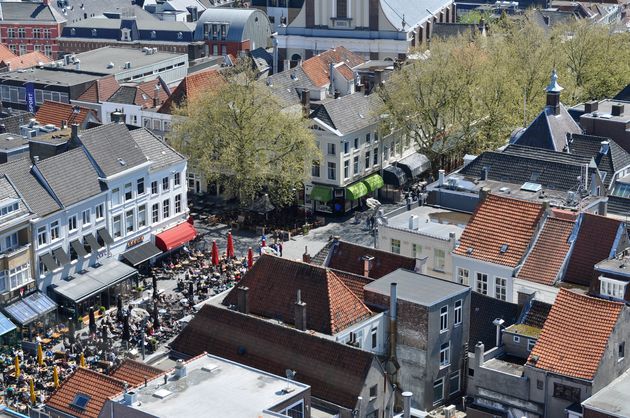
(403, 23)
(553, 86)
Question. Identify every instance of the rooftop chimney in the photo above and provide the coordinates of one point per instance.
(242, 299)
(498, 323)
(392, 365)
(331, 77)
(64, 124)
(306, 257)
(479, 352)
(407, 404)
(3, 128)
(368, 262)
(592, 106)
(305, 97)
(603, 149)
(452, 239)
(75, 131)
(553, 94)
(484, 173)
(180, 369)
(300, 312)
(483, 193)
(441, 177)
(617, 109)
(413, 222)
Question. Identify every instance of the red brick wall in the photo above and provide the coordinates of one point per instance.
(589, 413)
(29, 40)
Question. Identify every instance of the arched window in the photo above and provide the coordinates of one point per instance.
(73, 32)
(153, 34)
(94, 33)
(180, 35)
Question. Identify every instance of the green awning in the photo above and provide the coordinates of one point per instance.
(322, 194)
(356, 191)
(373, 182)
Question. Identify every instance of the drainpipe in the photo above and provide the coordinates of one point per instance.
(407, 404)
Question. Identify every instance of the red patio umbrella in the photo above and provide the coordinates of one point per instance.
(263, 242)
(250, 258)
(230, 245)
(215, 254)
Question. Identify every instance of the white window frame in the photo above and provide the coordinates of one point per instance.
(611, 287)
(42, 236)
(395, 246)
(455, 374)
(86, 217)
(530, 344)
(445, 354)
(439, 259)
(500, 288)
(444, 319)
(463, 276)
(72, 223)
(516, 339)
(437, 383)
(458, 311)
(116, 196)
(54, 226)
(117, 219)
(99, 211)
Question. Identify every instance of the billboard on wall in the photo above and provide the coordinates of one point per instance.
(30, 97)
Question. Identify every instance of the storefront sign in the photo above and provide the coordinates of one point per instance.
(135, 241)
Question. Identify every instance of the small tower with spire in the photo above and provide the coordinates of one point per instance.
(553, 93)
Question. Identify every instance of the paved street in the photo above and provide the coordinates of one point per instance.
(346, 228)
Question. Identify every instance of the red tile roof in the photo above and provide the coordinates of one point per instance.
(100, 90)
(497, 221)
(32, 59)
(134, 372)
(191, 86)
(545, 260)
(335, 372)
(5, 53)
(594, 243)
(97, 386)
(273, 283)
(354, 282)
(55, 112)
(348, 257)
(317, 68)
(575, 335)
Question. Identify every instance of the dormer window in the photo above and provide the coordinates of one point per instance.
(9, 208)
(94, 33)
(612, 288)
(153, 34)
(180, 35)
(73, 32)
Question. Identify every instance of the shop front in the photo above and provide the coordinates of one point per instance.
(33, 312)
(175, 237)
(322, 197)
(94, 287)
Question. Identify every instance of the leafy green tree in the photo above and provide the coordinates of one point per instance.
(238, 136)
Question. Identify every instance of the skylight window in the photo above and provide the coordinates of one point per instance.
(504, 248)
(80, 401)
(531, 187)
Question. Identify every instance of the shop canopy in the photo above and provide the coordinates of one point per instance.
(414, 165)
(94, 280)
(141, 253)
(30, 308)
(356, 191)
(107, 239)
(322, 194)
(49, 262)
(175, 237)
(6, 325)
(373, 182)
(61, 256)
(394, 176)
(78, 248)
(91, 241)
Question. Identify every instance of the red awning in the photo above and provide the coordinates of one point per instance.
(175, 237)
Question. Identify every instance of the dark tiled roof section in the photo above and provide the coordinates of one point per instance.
(273, 284)
(97, 386)
(124, 95)
(547, 155)
(549, 253)
(71, 176)
(319, 259)
(348, 257)
(594, 243)
(287, 86)
(112, 148)
(537, 314)
(499, 221)
(56, 112)
(615, 159)
(156, 150)
(36, 196)
(575, 335)
(335, 372)
(135, 373)
(13, 121)
(484, 310)
(623, 95)
(30, 12)
(619, 205)
(558, 173)
(549, 130)
(349, 113)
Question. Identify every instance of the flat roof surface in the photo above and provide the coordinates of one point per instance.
(50, 76)
(433, 222)
(613, 399)
(98, 60)
(215, 384)
(417, 288)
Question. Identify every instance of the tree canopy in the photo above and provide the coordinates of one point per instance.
(467, 94)
(239, 136)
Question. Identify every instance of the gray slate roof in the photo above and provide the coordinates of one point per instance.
(156, 150)
(614, 160)
(417, 288)
(29, 11)
(349, 113)
(518, 164)
(71, 176)
(124, 95)
(32, 191)
(549, 130)
(7, 191)
(112, 148)
(13, 121)
(287, 88)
